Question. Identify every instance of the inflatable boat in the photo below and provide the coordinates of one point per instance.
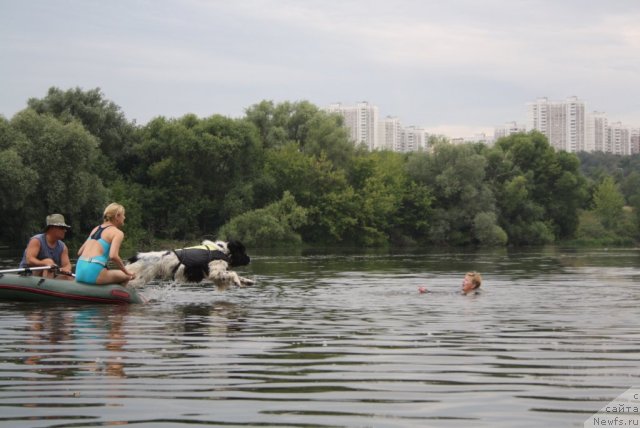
(27, 287)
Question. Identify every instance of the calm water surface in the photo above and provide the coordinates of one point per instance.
(338, 341)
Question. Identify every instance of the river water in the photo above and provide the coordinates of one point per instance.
(338, 340)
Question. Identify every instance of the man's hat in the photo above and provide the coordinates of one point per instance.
(56, 220)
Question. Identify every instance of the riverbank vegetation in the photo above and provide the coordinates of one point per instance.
(287, 174)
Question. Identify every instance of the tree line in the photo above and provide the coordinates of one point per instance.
(287, 174)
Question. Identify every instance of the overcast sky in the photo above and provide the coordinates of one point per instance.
(452, 66)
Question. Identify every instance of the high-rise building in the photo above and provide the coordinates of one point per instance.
(361, 120)
(387, 134)
(596, 132)
(414, 139)
(538, 115)
(635, 140)
(509, 128)
(390, 134)
(575, 125)
(481, 137)
(618, 139)
(563, 122)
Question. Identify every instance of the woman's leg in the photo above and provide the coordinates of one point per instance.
(112, 276)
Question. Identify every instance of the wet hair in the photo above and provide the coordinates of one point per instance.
(476, 279)
(112, 210)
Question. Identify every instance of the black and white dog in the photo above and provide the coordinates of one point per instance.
(210, 260)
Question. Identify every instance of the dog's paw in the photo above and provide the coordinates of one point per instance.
(225, 279)
(246, 281)
(222, 284)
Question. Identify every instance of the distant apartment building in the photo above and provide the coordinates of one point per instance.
(379, 134)
(566, 124)
(576, 125)
(414, 139)
(596, 132)
(390, 134)
(393, 136)
(482, 138)
(569, 128)
(563, 122)
(361, 120)
(509, 128)
(634, 139)
(618, 139)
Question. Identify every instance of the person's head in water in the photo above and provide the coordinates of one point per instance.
(471, 282)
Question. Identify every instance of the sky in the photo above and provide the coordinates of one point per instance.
(453, 67)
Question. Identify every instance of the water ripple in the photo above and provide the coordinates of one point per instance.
(337, 341)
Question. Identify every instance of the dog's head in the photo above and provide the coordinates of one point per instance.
(235, 250)
(237, 254)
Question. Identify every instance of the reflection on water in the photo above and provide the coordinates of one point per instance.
(51, 332)
(330, 339)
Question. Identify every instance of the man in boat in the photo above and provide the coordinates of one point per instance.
(48, 249)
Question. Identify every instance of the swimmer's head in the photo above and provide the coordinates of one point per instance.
(472, 281)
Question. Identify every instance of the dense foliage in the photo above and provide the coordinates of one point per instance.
(287, 174)
(613, 213)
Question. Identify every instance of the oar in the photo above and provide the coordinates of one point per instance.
(66, 273)
(27, 269)
(57, 270)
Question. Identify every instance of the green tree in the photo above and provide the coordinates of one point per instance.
(455, 176)
(189, 166)
(568, 194)
(538, 191)
(64, 155)
(317, 186)
(313, 131)
(630, 184)
(270, 123)
(625, 171)
(17, 185)
(411, 222)
(487, 232)
(101, 117)
(590, 229)
(608, 203)
(381, 185)
(272, 226)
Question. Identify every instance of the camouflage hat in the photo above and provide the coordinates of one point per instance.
(56, 220)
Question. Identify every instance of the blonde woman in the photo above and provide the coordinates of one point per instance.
(102, 245)
(471, 282)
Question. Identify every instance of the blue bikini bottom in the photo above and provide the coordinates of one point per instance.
(88, 271)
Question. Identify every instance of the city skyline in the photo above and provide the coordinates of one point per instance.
(567, 124)
(522, 122)
(455, 68)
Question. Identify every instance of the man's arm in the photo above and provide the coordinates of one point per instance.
(64, 260)
(33, 248)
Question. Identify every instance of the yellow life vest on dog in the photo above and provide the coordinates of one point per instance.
(200, 255)
(196, 260)
(203, 247)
